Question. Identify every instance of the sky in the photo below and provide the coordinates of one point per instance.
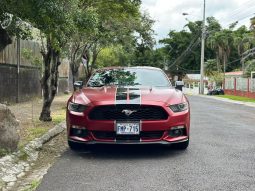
(168, 13)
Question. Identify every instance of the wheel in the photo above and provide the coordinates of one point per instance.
(182, 145)
(75, 146)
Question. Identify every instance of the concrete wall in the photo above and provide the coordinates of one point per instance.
(244, 87)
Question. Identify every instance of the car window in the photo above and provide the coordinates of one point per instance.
(129, 77)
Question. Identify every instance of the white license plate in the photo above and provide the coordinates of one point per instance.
(126, 128)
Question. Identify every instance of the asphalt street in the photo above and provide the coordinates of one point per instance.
(221, 156)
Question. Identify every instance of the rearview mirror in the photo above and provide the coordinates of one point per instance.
(78, 84)
(179, 85)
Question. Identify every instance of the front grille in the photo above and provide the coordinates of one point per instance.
(117, 112)
(143, 135)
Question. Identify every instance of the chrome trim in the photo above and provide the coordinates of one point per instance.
(129, 142)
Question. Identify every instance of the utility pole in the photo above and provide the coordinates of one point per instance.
(201, 89)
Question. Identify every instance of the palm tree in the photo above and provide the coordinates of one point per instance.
(221, 42)
(243, 40)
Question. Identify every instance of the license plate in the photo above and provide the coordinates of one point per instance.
(126, 128)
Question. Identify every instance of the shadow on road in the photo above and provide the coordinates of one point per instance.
(127, 152)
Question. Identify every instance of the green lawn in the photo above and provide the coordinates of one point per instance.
(237, 98)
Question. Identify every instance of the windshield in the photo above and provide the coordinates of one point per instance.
(129, 77)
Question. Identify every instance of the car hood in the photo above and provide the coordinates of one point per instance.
(128, 95)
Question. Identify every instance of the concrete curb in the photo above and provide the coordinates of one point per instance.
(227, 100)
(17, 164)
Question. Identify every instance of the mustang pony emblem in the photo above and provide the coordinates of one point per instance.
(128, 112)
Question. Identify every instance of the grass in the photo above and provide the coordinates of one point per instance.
(28, 115)
(34, 184)
(39, 128)
(59, 116)
(3, 152)
(237, 98)
(23, 155)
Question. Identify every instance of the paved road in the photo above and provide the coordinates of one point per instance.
(221, 156)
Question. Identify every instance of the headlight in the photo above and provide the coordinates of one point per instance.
(179, 107)
(76, 107)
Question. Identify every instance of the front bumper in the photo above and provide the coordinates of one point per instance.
(160, 130)
(129, 142)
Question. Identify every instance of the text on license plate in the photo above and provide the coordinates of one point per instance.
(125, 128)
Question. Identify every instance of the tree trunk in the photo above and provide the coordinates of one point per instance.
(49, 80)
(74, 64)
(87, 68)
(95, 53)
(218, 62)
(74, 69)
(224, 63)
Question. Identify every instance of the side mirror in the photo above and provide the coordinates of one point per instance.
(179, 85)
(78, 84)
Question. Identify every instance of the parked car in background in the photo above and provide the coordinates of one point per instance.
(217, 91)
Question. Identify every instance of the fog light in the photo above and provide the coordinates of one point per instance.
(78, 131)
(77, 127)
(177, 131)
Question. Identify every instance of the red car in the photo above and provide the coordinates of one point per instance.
(128, 105)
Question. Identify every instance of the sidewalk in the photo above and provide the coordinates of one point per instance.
(250, 104)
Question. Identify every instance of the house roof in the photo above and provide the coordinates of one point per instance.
(236, 73)
(194, 77)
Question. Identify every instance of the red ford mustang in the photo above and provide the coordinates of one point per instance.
(129, 105)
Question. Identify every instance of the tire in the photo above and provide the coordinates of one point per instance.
(75, 146)
(182, 145)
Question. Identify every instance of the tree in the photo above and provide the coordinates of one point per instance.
(182, 49)
(119, 24)
(10, 24)
(222, 42)
(210, 67)
(250, 67)
(243, 40)
(54, 19)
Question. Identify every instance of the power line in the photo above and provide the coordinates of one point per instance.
(194, 43)
(240, 9)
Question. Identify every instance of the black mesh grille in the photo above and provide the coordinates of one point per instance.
(117, 112)
(142, 135)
